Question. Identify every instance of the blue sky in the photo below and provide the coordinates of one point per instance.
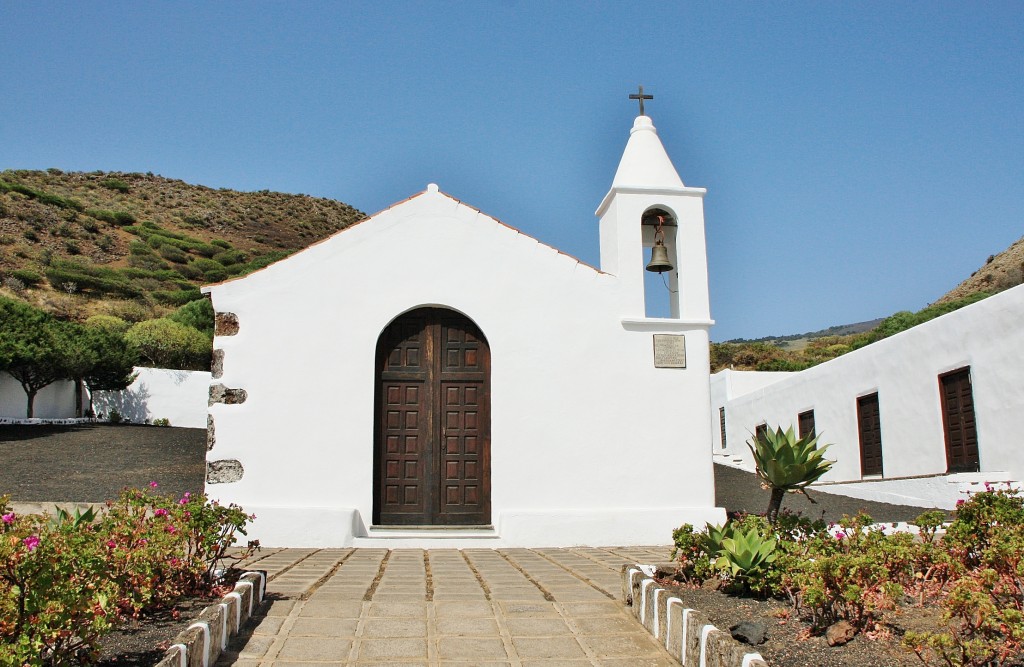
(861, 158)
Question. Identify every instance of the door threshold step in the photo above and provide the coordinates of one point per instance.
(432, 532)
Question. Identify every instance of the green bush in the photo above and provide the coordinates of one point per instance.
(173, 254)
(221, 243)
(147, 262)
(189, 272)
(27, 276)
(197, 313)
(117, 218)
(42, 197)
(176, 297)
(115, 184)
(103, 281)
(229, 257)
(164, 343)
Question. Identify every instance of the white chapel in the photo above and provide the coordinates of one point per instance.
(479, 389)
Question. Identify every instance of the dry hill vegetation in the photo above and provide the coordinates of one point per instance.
(137, 246)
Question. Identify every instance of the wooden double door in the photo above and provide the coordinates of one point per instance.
(432, 439)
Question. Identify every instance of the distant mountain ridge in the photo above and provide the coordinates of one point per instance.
(838, 330)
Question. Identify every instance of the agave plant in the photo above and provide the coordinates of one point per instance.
(744, 554)
(787, 464)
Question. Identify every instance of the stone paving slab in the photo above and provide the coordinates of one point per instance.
(513, 607)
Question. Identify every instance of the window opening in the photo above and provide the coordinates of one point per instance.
(805, 421)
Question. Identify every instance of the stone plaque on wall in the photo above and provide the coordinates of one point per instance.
(669, 351)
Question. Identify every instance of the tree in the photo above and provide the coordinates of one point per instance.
(163, 343)
(787, 464)
(32, 349)
(113, 360)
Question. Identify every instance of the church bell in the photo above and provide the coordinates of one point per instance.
(659, 259)
(659, 253)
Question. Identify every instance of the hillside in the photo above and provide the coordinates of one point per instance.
(137, 245)
(1000, 272)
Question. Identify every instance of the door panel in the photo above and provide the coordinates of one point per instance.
(432, 457)
(870, 427)
(961, 433)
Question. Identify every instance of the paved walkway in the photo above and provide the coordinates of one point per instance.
(446, 607)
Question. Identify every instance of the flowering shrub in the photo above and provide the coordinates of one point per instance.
(54, 598)
(984, 610)
(66, 581)
(850, 575)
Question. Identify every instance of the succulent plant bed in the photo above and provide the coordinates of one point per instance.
(783, 639)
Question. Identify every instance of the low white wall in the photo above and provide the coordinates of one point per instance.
(55, 401)
(728, 384)
(903, 370)
(160, 393)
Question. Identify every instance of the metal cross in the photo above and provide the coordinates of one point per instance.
(641, 97)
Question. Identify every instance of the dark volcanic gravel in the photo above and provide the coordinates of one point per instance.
(740, 491)
(93, 462)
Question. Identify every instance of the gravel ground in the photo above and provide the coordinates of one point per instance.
(93, 462)
(739, 491)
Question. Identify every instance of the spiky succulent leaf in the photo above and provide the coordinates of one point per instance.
(787, 462)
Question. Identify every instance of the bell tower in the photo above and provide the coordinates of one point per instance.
(647, 204)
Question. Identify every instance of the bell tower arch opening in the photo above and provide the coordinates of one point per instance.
(658, 237)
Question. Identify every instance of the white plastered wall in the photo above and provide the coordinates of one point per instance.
(590, 444)
(904, 370)
(54, 401)
(160, 393)
(728, 384)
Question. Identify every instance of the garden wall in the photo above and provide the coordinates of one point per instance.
(160, 393)
(57, 401)
(904, 371)
(157, 393)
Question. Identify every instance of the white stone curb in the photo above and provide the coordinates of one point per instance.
(688, 636)
(205, 638)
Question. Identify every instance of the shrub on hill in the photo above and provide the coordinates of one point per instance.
(164, 343)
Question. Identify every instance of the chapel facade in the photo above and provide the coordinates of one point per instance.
(482, 389)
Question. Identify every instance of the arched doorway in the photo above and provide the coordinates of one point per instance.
(432, 435)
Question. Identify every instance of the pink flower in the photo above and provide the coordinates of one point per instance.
(111, 543)
(143, 542)
(171, 529)
(840, 535)
(159, 511)
(8, 518)
(31, 542)
(153, 485)
(175, 561)
(960, 502)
